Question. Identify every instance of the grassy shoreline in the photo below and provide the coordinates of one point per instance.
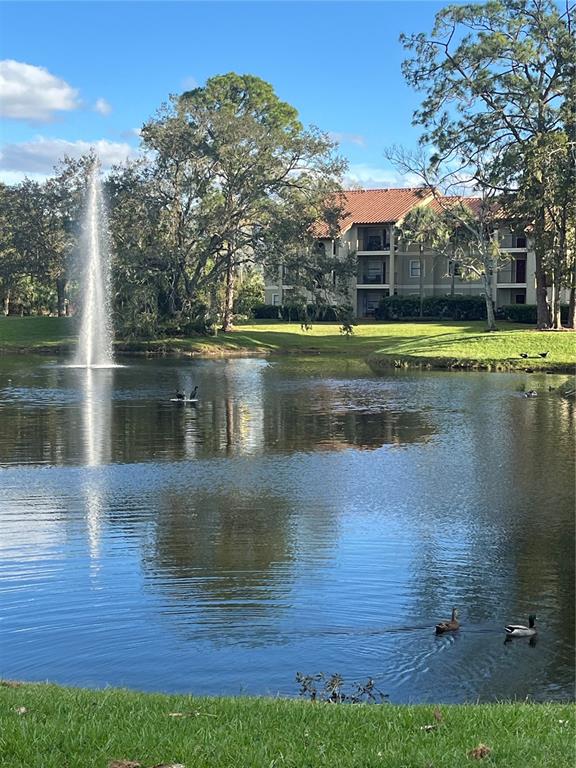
(450, 345)
(47, 726)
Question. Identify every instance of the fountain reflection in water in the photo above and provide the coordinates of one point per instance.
(95, 338)
(96, 418)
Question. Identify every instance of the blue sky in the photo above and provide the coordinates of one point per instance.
(108, 66)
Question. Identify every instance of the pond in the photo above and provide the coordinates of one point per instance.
(304, 516)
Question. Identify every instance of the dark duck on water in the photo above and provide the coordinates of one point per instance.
(448, 626)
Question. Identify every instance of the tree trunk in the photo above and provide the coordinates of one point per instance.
(556, 321)
(172, 294)
(542, 307)
(572, 303)
(572, 309)
(490, 318)
(7, 302)
(61, 293)
(229, 297)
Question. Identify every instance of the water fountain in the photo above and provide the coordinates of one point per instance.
(95, 338)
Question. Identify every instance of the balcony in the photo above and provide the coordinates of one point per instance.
(370, 278)
(371, 272)
(513, 274)
(373, 240)
(512, 242)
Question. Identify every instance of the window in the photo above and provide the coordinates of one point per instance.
(415, 268)
(520, 298)
(275, 299)
(520, 242)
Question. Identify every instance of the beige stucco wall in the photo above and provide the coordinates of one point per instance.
(437, 281)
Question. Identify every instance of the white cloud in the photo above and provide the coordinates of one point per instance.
(347, 138)
(38, 157)
(102, 107)
(31, 93)
(371, 177)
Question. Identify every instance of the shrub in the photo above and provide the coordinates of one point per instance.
(456, 307)
(527, 313)
(266, 312)
(445, 307)
(397, 307)
(324, 313)
(250, 293)
(201, 326)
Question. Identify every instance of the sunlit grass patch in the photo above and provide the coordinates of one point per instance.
(438, 344)
(45, 726)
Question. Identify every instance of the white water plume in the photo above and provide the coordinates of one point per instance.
(95, 338)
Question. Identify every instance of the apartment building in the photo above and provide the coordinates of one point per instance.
(387, 266)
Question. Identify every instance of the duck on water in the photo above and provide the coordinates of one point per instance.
(181, 397)
(520, 630)
(451, 625)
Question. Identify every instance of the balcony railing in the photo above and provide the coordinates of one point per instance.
(372, 243)
(370, 279)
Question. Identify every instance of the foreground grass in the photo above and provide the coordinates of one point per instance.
(45, 726)
(435, 344)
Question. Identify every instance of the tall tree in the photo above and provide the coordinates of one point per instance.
(496, 77)
(13, 264)
(255, 158)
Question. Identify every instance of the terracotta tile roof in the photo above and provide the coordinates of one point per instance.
(387, 206)
(445, 201)
(380, 206)
(376, 206)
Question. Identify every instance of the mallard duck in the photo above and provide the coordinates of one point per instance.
(531, 393)
(519, 630)
(448, 626)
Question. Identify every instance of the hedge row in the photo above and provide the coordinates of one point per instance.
(448, 307)
(527, 313)
(327, 313)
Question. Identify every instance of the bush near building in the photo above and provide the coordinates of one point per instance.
(326, 313)
(437, 307)
(527, 313)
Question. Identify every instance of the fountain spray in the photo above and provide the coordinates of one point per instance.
(95, 338)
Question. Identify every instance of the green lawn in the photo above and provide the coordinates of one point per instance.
(36, 332)
(439, 344)
(44, 726)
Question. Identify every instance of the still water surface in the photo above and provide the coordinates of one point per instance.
(303, 516)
